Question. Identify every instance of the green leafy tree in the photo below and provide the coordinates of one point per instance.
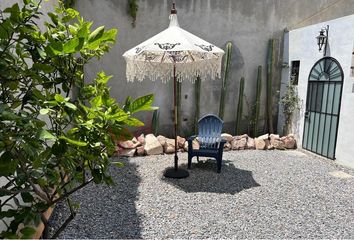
(57, 132)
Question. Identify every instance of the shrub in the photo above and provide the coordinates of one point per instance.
(57, 132)
(291, 103)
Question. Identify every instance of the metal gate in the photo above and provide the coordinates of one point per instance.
(323, 101)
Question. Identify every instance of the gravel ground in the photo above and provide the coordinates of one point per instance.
(259, 194)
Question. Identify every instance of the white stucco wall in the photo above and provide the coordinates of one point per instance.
(303, 46)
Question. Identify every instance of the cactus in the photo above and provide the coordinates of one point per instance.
(239, 106)
(258, 101)
(155, 122)
(197, 103)
(179, 88)
(270, 65)
(226, 68)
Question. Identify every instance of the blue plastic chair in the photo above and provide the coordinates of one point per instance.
(209, 137)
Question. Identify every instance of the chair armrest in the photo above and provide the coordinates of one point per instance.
(190, 143)
(222, 143)
(191, 138)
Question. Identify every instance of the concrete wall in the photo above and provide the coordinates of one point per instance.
(249, 24)
(303, 47)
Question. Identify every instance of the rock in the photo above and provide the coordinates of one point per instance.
(278, 144)
(180, 141)
(127, 152)
(135, 141)
(117, 151)
(128, 144)
(185, 146)
(233, 143)
(244, 136)
(251, 143)
(274, 137)
(152, 145)
(289, 142)
(270, 147)
(227, 146)
(267, 142)
(161, 139)
(227, 137)
(169, 146)
(140, 151)
(239, 144)
(264, 137)
(195, 144)
(141, 139)
(260, 144)
(241, 136)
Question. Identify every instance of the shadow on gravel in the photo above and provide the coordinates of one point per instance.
(204, 178)
(105, 212)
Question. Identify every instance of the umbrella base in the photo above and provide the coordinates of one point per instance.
(172, 173)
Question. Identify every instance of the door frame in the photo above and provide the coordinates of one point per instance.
(339, 106)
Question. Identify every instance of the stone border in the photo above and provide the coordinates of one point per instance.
(152, 145)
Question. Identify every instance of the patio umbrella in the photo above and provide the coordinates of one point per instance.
(178, 54)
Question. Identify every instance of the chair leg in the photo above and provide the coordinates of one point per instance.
(218, 162)
(190, 156)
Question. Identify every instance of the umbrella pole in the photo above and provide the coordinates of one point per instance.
(175, 112)
(175, 172)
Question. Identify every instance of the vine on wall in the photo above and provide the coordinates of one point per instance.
(291, 103)
(69, 3)
(132, 10)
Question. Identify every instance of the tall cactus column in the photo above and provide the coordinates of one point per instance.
(270, 66)
(240, 107)
(226, 68)
(258, 101)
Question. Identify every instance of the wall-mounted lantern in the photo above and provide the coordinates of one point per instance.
(322, 39)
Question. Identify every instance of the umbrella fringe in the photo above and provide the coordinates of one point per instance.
(138, 71)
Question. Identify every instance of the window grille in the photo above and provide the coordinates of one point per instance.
(295, 69)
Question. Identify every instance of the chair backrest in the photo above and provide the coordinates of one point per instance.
(209, 131)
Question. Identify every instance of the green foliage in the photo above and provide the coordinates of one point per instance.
(291, 103)
(155, 122)
(270, 66)
(240, 106)
(57, 132)
(133, 10)
(250, 118)
(227, 62)
(197, 87)
(258, 101)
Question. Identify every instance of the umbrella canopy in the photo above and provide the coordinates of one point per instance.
(155, 57)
